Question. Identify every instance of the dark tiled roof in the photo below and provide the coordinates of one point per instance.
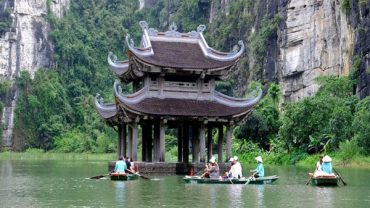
(181, 107)
(182, 55)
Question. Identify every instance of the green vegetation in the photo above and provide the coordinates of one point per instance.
(5, 18)
(55, 110)
(345, 5)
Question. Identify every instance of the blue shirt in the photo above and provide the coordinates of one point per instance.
(327, 168)
(120, 166)
(260, 170)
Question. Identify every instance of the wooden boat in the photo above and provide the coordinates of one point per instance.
(325, 180)
(123, 177)
(260, 180)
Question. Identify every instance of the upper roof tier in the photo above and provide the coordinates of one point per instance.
(172, 49)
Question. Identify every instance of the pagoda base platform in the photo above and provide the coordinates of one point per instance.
(170, 168)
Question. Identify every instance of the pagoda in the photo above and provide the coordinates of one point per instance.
(173, 77)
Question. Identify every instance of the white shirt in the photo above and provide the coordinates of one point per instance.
(235, 170)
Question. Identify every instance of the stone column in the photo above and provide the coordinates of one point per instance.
(162, 134)
(209, 142)
(129, 141)
(202, 141)
(179, 143)
(228, 141)
(156, 142)
(145, 129)
(122, 143)
(195, 143)
(119, 145)
(134, 141)
(150, 143)
(220, 143)
(185, 143)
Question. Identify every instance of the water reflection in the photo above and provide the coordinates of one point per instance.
(324, 196)
(235, 195)
(120, 192)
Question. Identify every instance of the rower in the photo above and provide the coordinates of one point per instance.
(326, 166)
(259, 171)
(212, 170)
(120, 166)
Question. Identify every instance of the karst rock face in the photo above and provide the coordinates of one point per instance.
(25, 46)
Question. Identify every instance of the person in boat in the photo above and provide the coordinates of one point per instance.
(128, 163)
(120, 166)
(212, 170)
(326, 166)
(259, 171)
(238, 167)
(319, 163)
(232, 172)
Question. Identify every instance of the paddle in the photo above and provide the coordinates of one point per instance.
(250, 178)
(344, 183)
(309, 179)
(138, 174)
(99, 176)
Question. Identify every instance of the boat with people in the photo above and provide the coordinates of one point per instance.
(123, 177)
(324, 180)
(259, 180)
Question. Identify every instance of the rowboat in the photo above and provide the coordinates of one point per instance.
(325, 180)
(123, 177)
(260, 180)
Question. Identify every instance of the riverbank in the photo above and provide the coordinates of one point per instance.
(269, 159)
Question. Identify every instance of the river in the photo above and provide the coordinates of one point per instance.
(49, 183)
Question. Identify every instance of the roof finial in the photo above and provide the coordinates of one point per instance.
(172, 32)
(201, 28)
(144, 25)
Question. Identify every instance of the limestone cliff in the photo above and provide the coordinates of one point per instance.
(25, 46)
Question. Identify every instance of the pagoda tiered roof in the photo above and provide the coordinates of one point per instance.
(175, 50)
(140, 104)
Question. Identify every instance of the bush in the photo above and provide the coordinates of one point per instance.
(348, 149)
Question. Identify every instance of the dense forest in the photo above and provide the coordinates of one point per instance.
(55, 109)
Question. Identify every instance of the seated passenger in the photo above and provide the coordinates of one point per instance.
(259, 171)
(120, 166)
(326, 166)
(212, 170)
(238, 168)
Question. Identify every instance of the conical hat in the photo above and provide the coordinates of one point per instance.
(259, 159)
(326, 159)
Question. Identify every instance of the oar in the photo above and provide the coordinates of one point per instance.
(129, 171)
(309, 179)
(99, 176)
(344, 183)
(250, 178)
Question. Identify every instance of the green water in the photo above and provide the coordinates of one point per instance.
(63, 184)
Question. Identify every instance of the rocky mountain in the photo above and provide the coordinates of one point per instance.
(24, 46)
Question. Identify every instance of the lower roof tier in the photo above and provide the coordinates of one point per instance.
(140, 104)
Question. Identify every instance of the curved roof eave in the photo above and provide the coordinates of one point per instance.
(106, 111)
(119, 67)
(131, 98)
(218, 55)
(237, 102)
(144, 52)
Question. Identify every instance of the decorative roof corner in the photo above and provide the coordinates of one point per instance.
(238, 102)
(119, 67)
(221, 56)
(131, 98)
(146, 51)
(105, 110)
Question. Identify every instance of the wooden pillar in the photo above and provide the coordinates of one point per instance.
(150, 143)
(195, 143)
(179, 143)
(220, 143)
(145, 141)
(162, 134)
(185, 143)
(209, 142)
(129, 141)
(119, 145)
(134, 141)
(156, 141)
(202, 141)
(228, 141)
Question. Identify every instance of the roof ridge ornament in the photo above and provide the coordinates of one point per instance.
(196, 34)
(145, 26)
(99, 98)
(172, 31)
